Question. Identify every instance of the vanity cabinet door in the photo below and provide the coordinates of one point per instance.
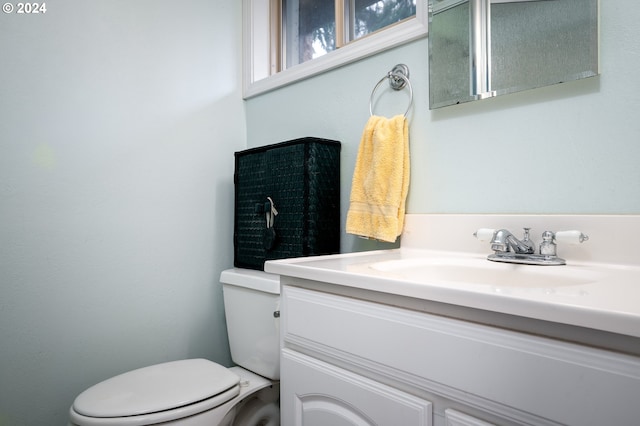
(314, 393)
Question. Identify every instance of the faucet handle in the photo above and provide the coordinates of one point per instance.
(571, 237)
(484, 234)
(548, 244)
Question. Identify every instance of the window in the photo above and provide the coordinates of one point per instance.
(288, 40)
(313, 28)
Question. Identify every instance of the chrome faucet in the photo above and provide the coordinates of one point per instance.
(508, 248)
(504, 241)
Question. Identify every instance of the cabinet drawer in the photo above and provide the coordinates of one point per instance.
(527, 378)
(314, 393)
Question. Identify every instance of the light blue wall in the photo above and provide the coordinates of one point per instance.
(118, 123)
(571, 148)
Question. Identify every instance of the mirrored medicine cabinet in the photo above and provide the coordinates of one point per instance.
(479, 49)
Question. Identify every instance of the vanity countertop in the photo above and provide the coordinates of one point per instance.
(603, 296)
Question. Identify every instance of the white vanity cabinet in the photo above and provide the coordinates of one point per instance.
(320, 394)
(351, 361)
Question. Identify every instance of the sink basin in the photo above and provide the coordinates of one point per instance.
(480, 271)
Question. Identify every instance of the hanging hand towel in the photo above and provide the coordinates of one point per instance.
(380, 180)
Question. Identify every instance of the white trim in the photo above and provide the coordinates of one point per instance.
(393, 36)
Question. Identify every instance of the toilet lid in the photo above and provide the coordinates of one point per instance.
(156, 388)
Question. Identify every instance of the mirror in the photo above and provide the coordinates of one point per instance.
(484, 48)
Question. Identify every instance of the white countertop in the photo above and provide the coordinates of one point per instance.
(601, 296)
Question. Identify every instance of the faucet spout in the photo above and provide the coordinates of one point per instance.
(504, 241)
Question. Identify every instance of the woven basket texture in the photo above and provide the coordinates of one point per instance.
(302, 177)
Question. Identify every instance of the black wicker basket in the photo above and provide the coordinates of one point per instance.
(302, 178)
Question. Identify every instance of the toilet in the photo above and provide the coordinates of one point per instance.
(199, 392)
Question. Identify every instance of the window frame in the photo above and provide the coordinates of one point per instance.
(258, 20)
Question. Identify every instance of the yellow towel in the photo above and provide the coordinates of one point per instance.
(380, 180)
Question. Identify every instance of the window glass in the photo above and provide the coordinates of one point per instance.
(310, 25)
(310, 28)
(373, 15)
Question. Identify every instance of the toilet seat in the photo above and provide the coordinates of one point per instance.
(161, 392)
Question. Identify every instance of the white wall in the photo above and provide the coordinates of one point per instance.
(118, 123)
(570, 148)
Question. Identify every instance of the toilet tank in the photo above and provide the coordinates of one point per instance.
(252, 309)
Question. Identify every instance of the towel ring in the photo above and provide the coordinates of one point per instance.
(398, 80)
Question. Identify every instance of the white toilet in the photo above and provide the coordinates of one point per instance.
(198, 392)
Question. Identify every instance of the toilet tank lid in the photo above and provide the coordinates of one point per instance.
(156, 388)
(253, 279)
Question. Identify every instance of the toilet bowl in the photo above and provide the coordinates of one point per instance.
(199, 392)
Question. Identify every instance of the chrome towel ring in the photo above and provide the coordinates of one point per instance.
(398, 80)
